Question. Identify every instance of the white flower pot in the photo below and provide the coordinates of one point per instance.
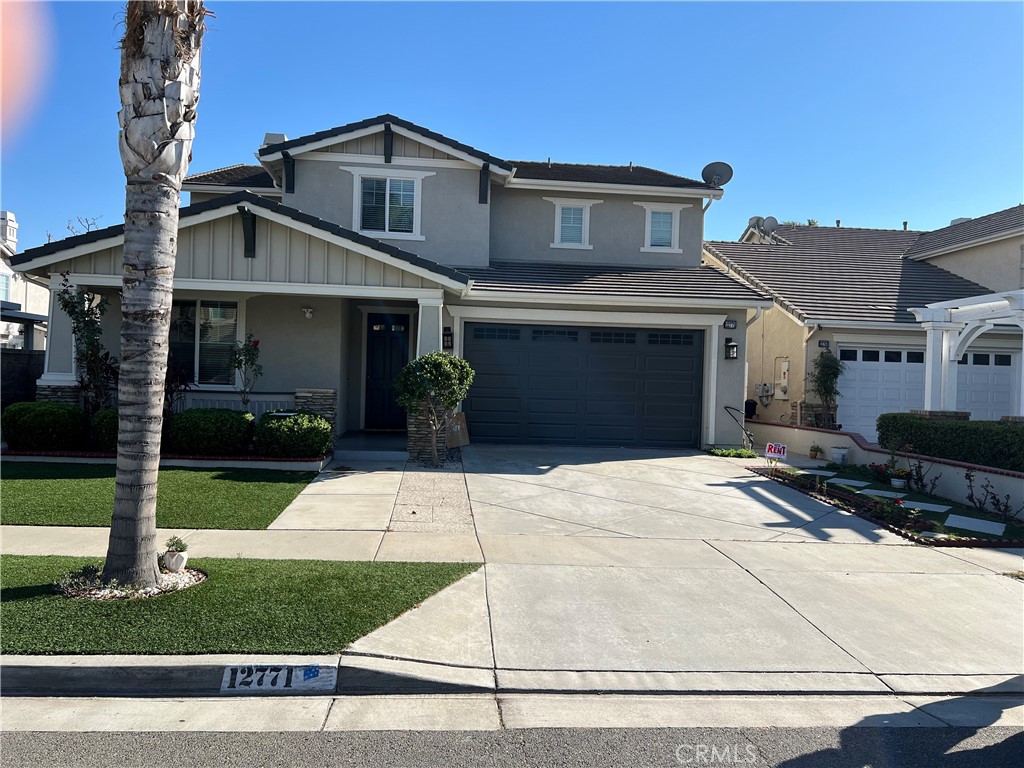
(897, 482)
(175, 561)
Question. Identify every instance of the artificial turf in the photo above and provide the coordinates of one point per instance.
(252, 606)
(37, 493)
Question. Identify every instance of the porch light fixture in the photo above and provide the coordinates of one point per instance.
(447, 339)
(308, 312)
(732, 349)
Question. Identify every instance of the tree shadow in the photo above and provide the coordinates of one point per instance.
(896, 739)
(27, 592)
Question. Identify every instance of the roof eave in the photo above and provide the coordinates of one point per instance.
(931, 254)
(551, 185)
(494, 295)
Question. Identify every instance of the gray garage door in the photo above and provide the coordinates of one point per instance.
(593, 386)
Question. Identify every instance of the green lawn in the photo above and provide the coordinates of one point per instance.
(251, 606)
(38, 493)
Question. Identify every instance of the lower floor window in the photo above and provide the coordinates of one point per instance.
(202, 336)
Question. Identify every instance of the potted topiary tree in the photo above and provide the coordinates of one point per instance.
(823, 382)
(430, 388)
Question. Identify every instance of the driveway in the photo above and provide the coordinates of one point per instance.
(621, 570)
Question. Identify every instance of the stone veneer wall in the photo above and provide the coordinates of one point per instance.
(322, 402)
(62, 393)
(419, 437)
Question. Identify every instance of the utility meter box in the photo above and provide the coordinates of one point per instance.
(782, 378)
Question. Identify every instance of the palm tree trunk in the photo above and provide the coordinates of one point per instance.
(159, 87)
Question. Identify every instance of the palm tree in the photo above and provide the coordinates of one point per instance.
(159, 87)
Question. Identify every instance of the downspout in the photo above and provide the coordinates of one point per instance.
(1020, 282)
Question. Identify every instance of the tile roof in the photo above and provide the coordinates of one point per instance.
(253, 199)
(705, 283)
(341, 130)
(866, 282)
(983, 227)
(603, 174)
(241, 175)
(883, 242)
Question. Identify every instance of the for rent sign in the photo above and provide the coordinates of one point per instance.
(775, 451)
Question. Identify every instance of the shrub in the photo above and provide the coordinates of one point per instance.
(211, 432)
(988, 443)
(433, 385)
(299, 435)
(104, 430)
(44, 426)
(733, 453)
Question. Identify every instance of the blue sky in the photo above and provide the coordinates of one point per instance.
(870, 113)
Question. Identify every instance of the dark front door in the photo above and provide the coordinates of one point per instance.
(387, 352)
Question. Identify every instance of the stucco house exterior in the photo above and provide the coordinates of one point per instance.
(576, 292)
(852, 291)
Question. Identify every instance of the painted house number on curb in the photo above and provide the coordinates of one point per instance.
(775, 451)
(281, 678)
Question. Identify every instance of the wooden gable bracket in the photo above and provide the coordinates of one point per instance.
(389, 142)
(485, 182)
(248, 232)
(289, 171)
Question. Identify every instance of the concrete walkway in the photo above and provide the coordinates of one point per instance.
(631, 572)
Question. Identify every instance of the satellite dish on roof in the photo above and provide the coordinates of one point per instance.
(769, 225)
(756, 222)
(716, 174)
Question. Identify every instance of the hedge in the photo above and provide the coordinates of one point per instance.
(295, 436)
(211, 432)
(104, 430)
(989, 443)
(44, 426)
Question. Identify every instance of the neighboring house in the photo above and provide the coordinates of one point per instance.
(23, 302)
(576, 292)
(851, 290)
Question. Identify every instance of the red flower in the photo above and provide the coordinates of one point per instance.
(255, 343)
(900, 502)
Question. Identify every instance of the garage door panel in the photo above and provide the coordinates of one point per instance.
(556, 406)
(609, 386)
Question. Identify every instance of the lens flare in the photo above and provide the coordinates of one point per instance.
(26, 52)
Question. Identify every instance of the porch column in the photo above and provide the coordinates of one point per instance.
(60, 348)
(936, 359)
(429, 333)
(949, 363)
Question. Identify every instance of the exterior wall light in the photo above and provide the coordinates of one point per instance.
(732, 349)
(308, 312)
(447, 339)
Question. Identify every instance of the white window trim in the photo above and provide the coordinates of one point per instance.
(568, 202)
(385, 172)
(674, 209)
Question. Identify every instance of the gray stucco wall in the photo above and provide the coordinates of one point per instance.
(455, 225)
(523, 229)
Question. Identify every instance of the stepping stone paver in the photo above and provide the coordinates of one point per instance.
(851, 483)
(819, 472)
(883, 494)
(974, 524)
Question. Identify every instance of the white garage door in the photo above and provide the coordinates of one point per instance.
(887, 380)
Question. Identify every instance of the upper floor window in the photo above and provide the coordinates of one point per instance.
(661, 228)
(572, 222)
(387, 206)
(5, 287)
(201, 338)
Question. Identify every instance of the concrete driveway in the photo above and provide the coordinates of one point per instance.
(620, 570)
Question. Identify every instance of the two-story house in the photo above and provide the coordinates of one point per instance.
(576, 292)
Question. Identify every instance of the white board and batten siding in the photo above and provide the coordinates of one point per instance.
(214, 250)
(890, 379)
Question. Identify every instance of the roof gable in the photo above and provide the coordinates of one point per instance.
(336, 135)
(60, 250)
(240, 175)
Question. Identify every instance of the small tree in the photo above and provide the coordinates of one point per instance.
(823, 382)
(434, 385)
(245, 359)
(96, 368)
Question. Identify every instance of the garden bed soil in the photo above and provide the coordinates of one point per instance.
(859, 505)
